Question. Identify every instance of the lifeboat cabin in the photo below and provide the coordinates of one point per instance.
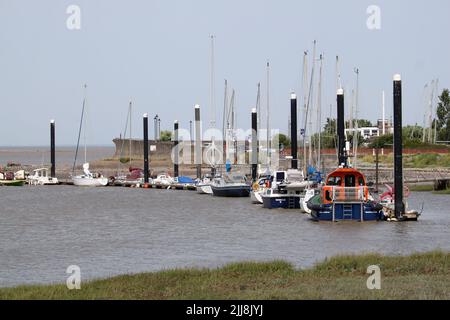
(345, 196)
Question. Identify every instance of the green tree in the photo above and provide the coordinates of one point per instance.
(382, 141)
(166, 135)
(330, 127)
(362, 123)
(443, 114)
(283, 141)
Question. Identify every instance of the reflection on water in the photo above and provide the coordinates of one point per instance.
(110, 231)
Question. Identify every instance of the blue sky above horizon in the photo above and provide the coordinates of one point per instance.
(157, 54)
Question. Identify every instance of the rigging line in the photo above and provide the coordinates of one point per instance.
(79, 136)
(123, 140)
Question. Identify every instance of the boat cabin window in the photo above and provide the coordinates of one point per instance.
(334, 181)
(350, 181)
(361, 182)
(280, 176)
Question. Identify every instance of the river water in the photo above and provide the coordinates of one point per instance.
(111, 231)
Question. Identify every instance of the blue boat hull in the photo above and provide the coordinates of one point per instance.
(347, 212)
(231, 192)
(282, 201)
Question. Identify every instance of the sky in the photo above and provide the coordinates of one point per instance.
(157, 53)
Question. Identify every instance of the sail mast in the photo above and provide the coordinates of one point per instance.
(435, 113)
(355, 136)
(319, 113)
(129, 112)
(84, 131)
(79, 131)
(213, 107)
(268, 117)
(225, 121)
(311, 101)
(305, 106)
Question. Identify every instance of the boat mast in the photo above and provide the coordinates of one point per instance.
(84, 131)
(355, 136)
(258, 105)
(319, 113)
(268, 118)
(310, 104)
(305, 106)
(129, 112)
(212, 105)
(425, 99)
(384, 114)
(430, 114)
(258, 118)
(79, 131)
(225, 121)
(435, 113)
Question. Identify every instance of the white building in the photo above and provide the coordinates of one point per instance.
(366, 133)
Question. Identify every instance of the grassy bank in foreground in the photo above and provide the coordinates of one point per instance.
(420, 276)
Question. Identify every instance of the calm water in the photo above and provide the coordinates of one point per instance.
(110, 231)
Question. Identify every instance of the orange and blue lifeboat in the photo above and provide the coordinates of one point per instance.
(345, 196)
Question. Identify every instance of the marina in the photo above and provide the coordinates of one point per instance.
(224, 151)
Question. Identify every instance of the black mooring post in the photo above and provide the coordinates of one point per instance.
(341, 128)
(146, 171)
(254, 145)
(398, 148)
(294, 145)
(52, 149)
(175, 149)
(198, 143)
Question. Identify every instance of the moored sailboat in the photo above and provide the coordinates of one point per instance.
(87, 179)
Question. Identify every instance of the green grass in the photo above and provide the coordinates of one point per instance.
(420, 161)
(447, 192)
(421, 188)
(419, 276)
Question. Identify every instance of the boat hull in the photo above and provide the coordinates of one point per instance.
(282, 201)
(256, 197)
(204, 189)
(90, 182)
(366, 211)
(12, 183)
(231, 192)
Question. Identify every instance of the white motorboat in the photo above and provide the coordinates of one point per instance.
(204, 186)
(41, 177)
(163, 180)
(89, 179)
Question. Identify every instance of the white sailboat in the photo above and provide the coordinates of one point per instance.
(87, 179)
